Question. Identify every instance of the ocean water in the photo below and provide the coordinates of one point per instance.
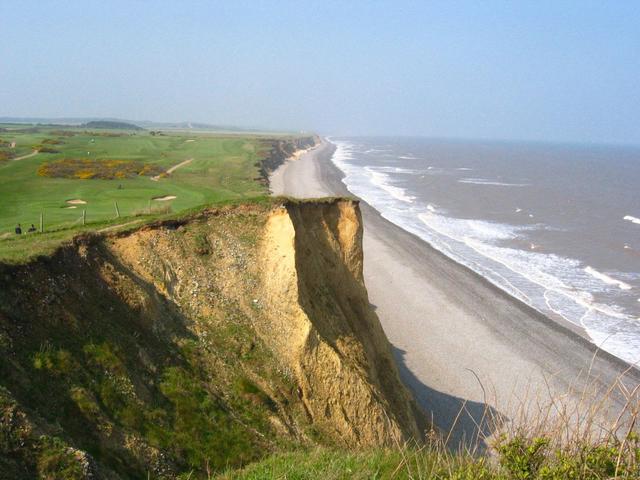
(556, 226)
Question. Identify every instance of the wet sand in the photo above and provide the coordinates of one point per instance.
(458, 339)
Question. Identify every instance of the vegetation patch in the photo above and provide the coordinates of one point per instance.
(5, 155)
(84, 168)
(45, 149)
(6, 152)
(48, 145)
(64, 133)
(517, 459)
(108, 124)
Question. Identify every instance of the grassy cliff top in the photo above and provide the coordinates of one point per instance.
(18, 249)
(74, 179)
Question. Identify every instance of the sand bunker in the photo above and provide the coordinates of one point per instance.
(188, 141)
(76, 201)
(72, 206)
(164, 199)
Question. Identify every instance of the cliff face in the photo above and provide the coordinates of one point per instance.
(194, 345)
(278, 151)
(320, 321)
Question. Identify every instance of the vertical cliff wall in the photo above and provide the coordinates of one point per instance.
(320, 321)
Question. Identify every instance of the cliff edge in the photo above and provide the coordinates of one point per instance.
(196, 344)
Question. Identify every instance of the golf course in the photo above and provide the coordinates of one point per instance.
(63, 179)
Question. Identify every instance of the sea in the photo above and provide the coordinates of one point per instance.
(556, 226)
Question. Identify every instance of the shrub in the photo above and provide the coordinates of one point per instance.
(45, 149)
(5, 156)
(57, 460)
(84, 168)
(253, 394)
(202, 431)
(105, 356)
(523, 458)
(55, 361)
(201, 244)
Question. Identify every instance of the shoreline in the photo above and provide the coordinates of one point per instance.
(554, 321)
(455, 334)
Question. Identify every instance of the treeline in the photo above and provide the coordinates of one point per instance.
(107, 124)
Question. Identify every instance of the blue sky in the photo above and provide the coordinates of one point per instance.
(558, 71)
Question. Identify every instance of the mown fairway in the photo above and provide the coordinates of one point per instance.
(222, 168)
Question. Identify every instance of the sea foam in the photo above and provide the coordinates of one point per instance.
(500, 252)
(484, 181)
(382, 180)
(547, 282)
(607, 279)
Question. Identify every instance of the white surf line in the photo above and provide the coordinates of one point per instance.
(467, 262)
(483, 181)
(584, 315)
(559, 313)
(607, 279)
(173, 169)
(632, 219)
(561, 291)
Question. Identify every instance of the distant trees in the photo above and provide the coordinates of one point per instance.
(108, 124)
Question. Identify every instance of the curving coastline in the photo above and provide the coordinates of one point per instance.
(458, 339)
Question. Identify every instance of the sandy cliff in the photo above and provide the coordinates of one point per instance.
(196, 344)
(319, 318)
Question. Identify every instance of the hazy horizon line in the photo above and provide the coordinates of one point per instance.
(253, 128)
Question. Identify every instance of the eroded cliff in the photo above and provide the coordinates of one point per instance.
(195, 344)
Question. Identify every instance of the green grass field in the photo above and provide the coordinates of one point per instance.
(222, 168)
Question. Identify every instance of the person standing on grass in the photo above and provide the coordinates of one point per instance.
(18, 230)
(32, 228)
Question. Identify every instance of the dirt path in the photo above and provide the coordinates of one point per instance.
(173, 169)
